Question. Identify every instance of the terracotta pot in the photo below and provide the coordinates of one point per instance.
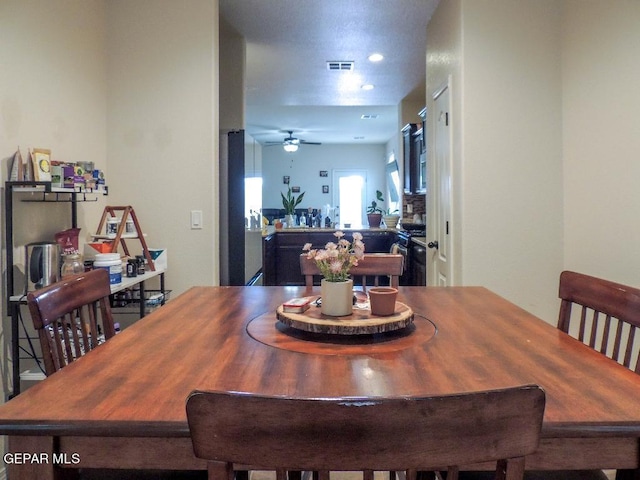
(337, 298)
(374, 219)
(382, 300)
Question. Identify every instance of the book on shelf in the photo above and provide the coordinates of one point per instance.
(41, 159)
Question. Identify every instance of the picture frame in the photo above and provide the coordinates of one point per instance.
(286, 179)
(295, 189)
(41, 159)
(325, 188)
(324, 173)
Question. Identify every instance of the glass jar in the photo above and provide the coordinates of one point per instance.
(72, 265)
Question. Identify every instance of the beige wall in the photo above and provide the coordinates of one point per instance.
(601, 138)
(512, 158)
(304, 171)
(132, 86)
(52, 95)
(504, 65)
(162, 124)
(544, 100)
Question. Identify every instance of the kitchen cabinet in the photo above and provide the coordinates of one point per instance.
(411, 157)
(415, 155)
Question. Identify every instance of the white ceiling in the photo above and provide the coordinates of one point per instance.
(289, 86)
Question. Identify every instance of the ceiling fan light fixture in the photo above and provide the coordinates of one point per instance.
(290, 147)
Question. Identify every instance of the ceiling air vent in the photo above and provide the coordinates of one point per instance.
(343, 65)
(370, 116)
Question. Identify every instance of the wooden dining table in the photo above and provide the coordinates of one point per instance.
(123, 404)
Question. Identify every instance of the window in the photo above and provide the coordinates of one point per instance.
(253, 201)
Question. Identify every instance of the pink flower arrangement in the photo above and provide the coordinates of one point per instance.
(335, 261)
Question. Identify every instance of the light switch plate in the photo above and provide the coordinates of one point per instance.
(196, 219)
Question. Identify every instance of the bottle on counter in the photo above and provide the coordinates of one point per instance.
(71, 265)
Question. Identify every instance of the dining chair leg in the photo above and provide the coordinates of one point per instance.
(242, 475)
(220, 471)
(513, 468)
(629, 474)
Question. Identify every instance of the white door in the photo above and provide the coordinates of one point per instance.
(349, 188)
(440, 237)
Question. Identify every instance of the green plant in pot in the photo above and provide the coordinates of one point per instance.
(375, 213)
(290, 202)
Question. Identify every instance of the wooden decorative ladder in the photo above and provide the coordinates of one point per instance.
(119, 239)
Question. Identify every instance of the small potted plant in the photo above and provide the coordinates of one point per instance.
(335, 262)
(390, 218)
(374, 213)
(290, 202)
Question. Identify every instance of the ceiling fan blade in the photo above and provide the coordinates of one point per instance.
(310, 143)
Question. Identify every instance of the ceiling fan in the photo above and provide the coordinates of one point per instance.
(291, 143)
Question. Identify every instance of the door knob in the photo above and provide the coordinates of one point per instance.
(433, 244)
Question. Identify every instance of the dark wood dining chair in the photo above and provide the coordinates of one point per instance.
(72, 317)
(366, 434)
(376, 265)
(607, 317)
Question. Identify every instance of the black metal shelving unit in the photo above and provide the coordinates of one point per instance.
(44, 192)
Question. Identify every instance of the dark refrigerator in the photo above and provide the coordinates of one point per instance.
(232, 229)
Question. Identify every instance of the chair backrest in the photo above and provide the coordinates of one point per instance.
(65, 315)
(376, 265)
(366, 434)
(608, 319)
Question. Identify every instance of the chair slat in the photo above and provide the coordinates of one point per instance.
(583, 324)
(618, 304)
(376, 265)
(629, 349)
(65, 316)
(605, 334)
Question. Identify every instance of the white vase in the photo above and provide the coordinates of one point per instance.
(337, 298)
(391, 221)
(291, 221)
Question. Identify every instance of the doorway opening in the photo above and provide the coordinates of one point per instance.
(349, 197)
